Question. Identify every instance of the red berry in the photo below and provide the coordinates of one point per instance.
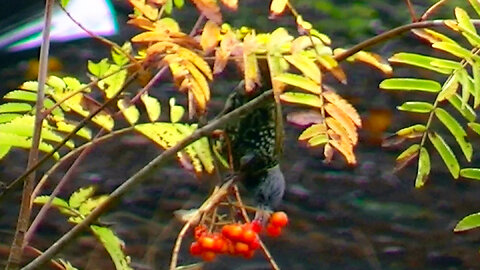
(208, 256)
(206, 242)
(256, 226)
(195, 249)
(279, 219)
(199, 231)
(248, 236)
(232, 231)
(273, 231)
(241, 248)
(254, 244)
(249, 254)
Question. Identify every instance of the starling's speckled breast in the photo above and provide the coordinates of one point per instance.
(253, 137)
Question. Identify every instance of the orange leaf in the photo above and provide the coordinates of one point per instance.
(328, 152)
(346, 149)
(199, 78)
(142, 23)
(227, 45)
(210, 37)
(343, 105)
(209, 9)
(197, 92)
(231, 4)
(150, 36)
(148, 11)
(341, 131)
(196, 60)
(162, 47)
(344, 121)
(278, 6)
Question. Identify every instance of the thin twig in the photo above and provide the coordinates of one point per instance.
(142, 173)
(432, 10)
(16, 250)
(411, 10)
(390, 34)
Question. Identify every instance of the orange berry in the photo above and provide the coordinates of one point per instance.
(232, 231)
(273, 231)
(248, 236)
(241, 248)
(279, 219)
(206, 242)
(195, 249)
(219, 244)
(209, 256)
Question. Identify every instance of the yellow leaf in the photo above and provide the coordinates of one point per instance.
(142, 23)
(338, 128)
(278, 6)
(343, 105)
(344, 121)
(176, 111)
(199, 78)
(152, 105)
(277, 65)
(250, 63)
(312, 131)
(306, 65)
(129, 111)
(210, 37)
(150, 36)
(432, 36)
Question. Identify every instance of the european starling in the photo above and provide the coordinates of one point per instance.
(256, 150)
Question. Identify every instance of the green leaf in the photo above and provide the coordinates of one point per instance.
(467, 85)
(302, 98)
(67, 265)
(465, 24)
(21, 95)
(457, 131)
(464, 109)
(4, 149)
(24, 142)
(446, 64)
(318, 140)
(416, 106)
(411, 84)
(15, 107)
(176, 111)
(91, 203)
(419, 60)
(423, 168)
(119, 57)
(449, 88)
(129, 111)
(58, 203)
(475, 127)
(407, 154)
(471, 173)
(446, 153)
(476, 5)
(178, 3)
(300, 82)
(80, 196)
(98, 69)
(64, 3)
(467, 223)
(168, 6)
(56, 83)
(412, 131)
(113, 245)
(7, 117)
(152, 105)
(476, 84)
(453, 49)
(113, 83)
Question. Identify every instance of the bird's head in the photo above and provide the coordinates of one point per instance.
(269, 192)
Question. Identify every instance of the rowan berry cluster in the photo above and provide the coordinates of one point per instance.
(234, 239)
